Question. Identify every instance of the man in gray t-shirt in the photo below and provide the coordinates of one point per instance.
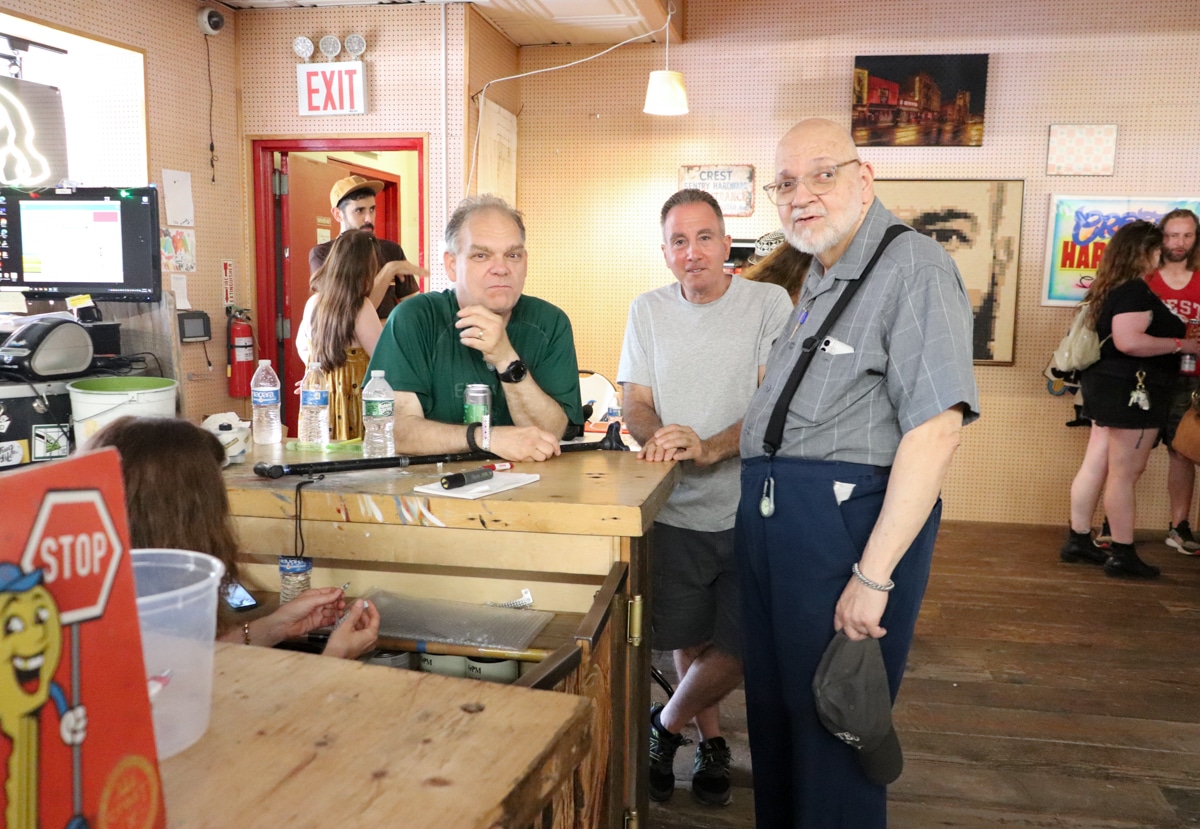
(693, 357)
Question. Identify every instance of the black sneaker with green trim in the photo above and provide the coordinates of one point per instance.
(710, 777)
(663, 745)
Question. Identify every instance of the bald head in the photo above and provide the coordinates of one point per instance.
(819, 136)
(819, 155)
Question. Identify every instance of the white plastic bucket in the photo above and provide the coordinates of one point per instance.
(177, 613)
(96, 401)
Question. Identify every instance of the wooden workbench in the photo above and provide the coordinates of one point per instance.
(299, 740)
(577, 539)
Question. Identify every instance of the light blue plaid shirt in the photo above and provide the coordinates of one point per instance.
(906, 353)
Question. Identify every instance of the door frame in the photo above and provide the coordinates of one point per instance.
(262, 239)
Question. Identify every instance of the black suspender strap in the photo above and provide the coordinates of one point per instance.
(774, 435)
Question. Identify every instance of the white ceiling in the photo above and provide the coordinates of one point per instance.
(537, 22)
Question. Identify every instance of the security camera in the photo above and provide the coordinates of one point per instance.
(211, 21)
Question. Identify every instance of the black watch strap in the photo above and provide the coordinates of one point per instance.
(471, 444)
(515, 372)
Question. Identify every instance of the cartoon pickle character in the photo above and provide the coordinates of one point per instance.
(30, 647)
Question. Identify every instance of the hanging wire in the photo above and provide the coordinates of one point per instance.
(212, 146)
(298, 539)
(483, 92)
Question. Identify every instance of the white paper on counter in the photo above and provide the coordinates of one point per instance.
(499, 482)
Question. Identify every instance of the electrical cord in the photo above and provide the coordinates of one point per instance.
(298, 539)
(483, 92)
(212, 146)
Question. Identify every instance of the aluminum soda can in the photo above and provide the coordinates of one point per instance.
(477, 408)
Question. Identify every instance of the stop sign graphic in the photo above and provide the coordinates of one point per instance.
(75, 545)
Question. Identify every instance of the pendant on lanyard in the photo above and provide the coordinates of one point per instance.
(766, 504)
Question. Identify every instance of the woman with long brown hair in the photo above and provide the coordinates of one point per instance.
(1127, 394)
(175, 498)
(777, 262)
(340, 326)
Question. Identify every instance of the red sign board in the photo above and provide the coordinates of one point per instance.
(76, 737)
(75, 545)
(331, 88)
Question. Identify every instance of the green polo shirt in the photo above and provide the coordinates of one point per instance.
(419, 351)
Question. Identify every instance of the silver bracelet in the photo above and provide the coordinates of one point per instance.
(874, 585)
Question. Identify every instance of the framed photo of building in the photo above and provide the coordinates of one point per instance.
(978, 222)
(919, 100)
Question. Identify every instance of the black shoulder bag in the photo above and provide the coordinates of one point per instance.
(774, 434)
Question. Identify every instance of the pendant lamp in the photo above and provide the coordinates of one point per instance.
(666, 93)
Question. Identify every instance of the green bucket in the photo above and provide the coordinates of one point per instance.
(96, 401)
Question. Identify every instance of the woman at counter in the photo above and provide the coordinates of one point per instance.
(339, 328)
(1127, 394)
(175, 498)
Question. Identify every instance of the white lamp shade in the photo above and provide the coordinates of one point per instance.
(666, 93)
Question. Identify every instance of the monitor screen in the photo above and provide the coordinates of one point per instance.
(59, 242)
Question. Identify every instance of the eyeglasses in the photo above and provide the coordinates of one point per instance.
(818, 183)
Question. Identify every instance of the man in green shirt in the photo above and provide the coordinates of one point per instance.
(482, 330)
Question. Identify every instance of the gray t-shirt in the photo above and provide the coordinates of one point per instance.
(701, 363)
(902, 353)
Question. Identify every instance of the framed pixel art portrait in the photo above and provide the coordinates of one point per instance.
(979, 223)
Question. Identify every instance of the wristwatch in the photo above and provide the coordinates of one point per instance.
(515, 372)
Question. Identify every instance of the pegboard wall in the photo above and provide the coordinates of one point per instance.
(594, 171)
(177, 108)
(406, 92)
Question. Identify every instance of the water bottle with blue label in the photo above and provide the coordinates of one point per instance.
(295, 576)
(314, 406)
(264, 399)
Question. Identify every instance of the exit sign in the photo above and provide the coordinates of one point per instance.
(331, 88)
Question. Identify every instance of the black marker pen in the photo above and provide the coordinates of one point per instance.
(472, 476)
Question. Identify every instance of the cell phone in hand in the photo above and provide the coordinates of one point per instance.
(237, 597)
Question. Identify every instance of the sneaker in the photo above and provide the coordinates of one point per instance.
(663, 745)
(1180, 537)
(710, 778)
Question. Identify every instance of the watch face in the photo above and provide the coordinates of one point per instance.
(515, 372)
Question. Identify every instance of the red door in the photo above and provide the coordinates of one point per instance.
(281, 264)
(307, 220)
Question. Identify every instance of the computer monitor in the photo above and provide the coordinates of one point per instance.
(59, 242)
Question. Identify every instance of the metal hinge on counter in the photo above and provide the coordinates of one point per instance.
(633, 621)
(631, 819)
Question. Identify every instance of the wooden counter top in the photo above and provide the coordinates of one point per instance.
(309, 741)
(582, 493)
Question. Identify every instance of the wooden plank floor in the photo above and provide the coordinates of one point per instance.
(1038, 694)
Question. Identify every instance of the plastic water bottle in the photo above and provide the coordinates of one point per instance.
(379, 407)
(295, 576)
(314, 406)
(264, 400)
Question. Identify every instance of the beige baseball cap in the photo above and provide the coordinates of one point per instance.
(349, 185)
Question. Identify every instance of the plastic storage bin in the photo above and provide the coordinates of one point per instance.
(177, 611)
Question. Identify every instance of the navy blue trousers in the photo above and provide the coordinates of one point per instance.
(794, 567)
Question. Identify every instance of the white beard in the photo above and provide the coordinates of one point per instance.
(825, 235)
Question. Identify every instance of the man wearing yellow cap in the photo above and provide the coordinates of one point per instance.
(353, 202)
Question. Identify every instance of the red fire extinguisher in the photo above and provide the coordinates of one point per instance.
(240, 348)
